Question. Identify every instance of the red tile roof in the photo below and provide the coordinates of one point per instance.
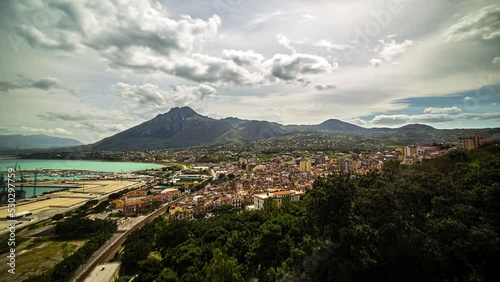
(286, 192)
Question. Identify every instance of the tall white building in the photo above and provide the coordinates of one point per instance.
(411, 151)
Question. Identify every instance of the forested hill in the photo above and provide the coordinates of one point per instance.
(429, 222)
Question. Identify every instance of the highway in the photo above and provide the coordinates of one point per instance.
(110, 248)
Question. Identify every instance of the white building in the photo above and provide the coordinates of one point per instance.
(258, 199)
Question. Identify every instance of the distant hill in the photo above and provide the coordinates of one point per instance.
(10, 142)
(335, 125)
(183, 127)
(416, 127)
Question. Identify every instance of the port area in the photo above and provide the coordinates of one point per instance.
(75, 195)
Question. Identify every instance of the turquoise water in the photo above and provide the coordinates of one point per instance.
(125, 167)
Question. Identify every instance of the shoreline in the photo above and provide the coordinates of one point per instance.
(86, 170)
(96, 160)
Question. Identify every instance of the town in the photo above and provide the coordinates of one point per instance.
(246, 183)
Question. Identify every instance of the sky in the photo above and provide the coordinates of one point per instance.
(90, 69)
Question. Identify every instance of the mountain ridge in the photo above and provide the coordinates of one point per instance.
(181, 127)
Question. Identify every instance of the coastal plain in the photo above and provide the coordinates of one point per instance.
(46, 206)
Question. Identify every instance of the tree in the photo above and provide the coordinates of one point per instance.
(150, 268)
(271, 207)
(57, 217)
(330, 204)
(223, 269)
(167, 275)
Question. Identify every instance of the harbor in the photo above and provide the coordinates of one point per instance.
(75, 195)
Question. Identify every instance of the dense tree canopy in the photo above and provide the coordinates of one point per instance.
(434, 221)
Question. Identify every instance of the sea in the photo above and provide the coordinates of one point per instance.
(89, 169)
(125, 167)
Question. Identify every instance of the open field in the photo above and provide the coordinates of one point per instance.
(36, 256)
(103, 186)
(71, 194)
(50, 203)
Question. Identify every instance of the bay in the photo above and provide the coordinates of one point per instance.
(125, 167)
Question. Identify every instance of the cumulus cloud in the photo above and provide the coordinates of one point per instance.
(148, 29)
(123, 35)
(283, 40)
(243, 58)
(483, 24)
(359, 122)
(140, 37)
(186, 94)
(391, 49)
(329, 46)
(246, 68)
(110, 27)
(320, 87)
(208, 69)
(293, 67)
(376, 62)
(147, 96)
(431, 118)
(447, 110)
(391, 119)
(147, 99)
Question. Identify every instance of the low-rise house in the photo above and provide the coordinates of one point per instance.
(133, 208)
(171, 194)
(117, 204)
(178, 212)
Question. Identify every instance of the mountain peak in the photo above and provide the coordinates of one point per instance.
(186, 111)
